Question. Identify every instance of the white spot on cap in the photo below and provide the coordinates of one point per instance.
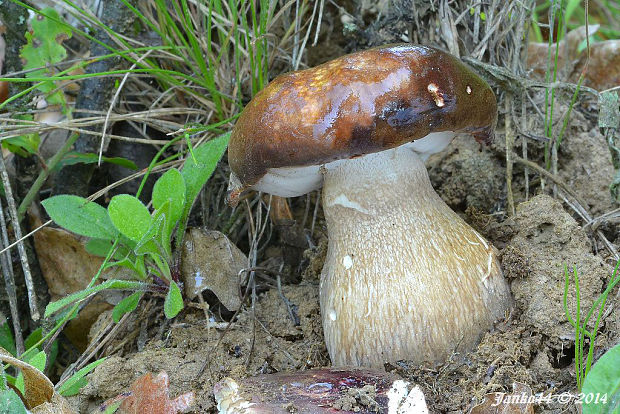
(347, 261)
(437, 96)
(331, 314)
(468, 90)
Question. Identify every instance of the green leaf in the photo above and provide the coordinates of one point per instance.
(147, 244)
(174, 301)
(38, 361)
(165, 231)
(83, 294)
(10, 379)
(10, 403)
(170, 188)
(73, 385)
(44, 49)
(6, 338)
(129, 216)
(111, 409)
(571, 7)
(34, 337)
(80, 216)
(101, 247)
(74, 157)
(23, 145)
(127, 305)
(131, 262)
(603, 385)
(197, 173)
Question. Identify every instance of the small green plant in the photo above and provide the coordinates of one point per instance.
(33, 356)
(11, 386)
(44, 50)
(583, 362)
(40, 55)
(604, 12)
(601, 389)
(131, 236)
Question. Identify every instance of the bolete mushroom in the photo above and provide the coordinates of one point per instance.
(405, 277)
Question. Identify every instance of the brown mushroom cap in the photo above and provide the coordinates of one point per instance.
(357, 104)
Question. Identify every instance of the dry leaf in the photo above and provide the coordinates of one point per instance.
(39, 391)
(604, 67)
(58, 405)
(537, 53)
(150, 395)
(67, 266)
(210, 261)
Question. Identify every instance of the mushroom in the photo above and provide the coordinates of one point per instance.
(405, 277)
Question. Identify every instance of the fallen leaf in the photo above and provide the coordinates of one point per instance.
(150, 395)
(604, 67)
(538, 53)
(603, 70)
(210, 261)
(39, 391)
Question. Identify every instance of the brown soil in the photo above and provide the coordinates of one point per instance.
(196, 355)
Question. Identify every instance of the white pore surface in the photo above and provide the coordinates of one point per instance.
(296, 181)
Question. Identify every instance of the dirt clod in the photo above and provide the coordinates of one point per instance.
(548, 240)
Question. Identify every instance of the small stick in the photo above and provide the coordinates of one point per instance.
(510, 141)
(9, 282)
(32, 297)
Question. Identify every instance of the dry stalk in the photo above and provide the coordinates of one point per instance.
(32, 297)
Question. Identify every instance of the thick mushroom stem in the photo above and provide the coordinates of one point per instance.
(405, 277)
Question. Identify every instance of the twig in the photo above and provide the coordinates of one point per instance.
(514, 83)
(111, 106)
(94, 346)
(510, 142)
(289, 305)
(9, 283)
(32, 297)
(305, 40)
(579, 208)
(549, 175)
(43, 174)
